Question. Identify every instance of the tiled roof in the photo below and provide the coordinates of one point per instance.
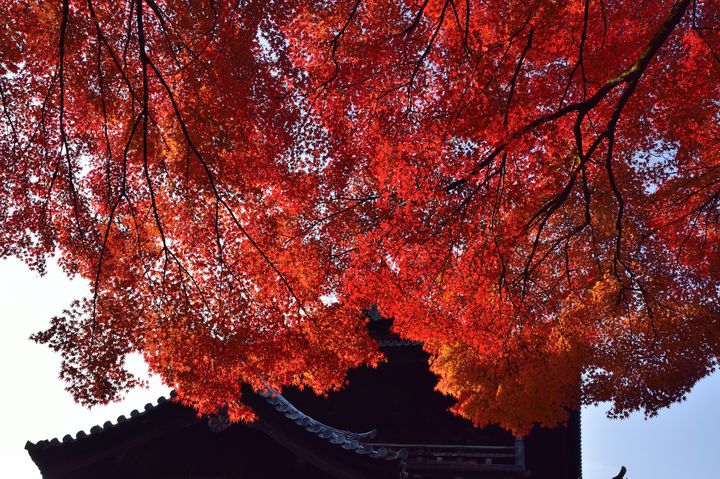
(353, 441)
(347, 440)
(95, 430)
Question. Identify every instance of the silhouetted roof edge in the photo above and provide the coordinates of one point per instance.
(345, 439)
(352, 441)
(97, 429)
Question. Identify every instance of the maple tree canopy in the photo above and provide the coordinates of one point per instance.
(530, 188)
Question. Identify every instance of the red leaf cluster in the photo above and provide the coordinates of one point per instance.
(531, 189)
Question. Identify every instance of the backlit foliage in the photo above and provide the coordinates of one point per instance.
(530, 188)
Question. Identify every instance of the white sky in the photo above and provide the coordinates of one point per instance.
(680, 443)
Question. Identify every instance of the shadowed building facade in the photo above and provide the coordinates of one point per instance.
(388, 422)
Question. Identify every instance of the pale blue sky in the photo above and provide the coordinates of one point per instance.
(680, 443)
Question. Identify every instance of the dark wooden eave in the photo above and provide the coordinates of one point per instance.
(416, 436)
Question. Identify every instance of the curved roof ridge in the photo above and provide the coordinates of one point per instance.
(353, 441)
(97, 429)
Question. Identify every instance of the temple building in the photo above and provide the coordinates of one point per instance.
(389, 422)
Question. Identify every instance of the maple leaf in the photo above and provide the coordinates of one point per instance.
(530, 189)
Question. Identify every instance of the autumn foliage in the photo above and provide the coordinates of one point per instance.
(530, 188)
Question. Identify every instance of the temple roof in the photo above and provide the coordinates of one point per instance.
(348, 440)
(352, 441)
(379, 328)
(96, 430)
(408, 433)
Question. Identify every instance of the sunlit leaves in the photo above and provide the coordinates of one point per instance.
(530, 189)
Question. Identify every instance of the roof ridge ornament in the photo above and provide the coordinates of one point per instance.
(219, 421)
